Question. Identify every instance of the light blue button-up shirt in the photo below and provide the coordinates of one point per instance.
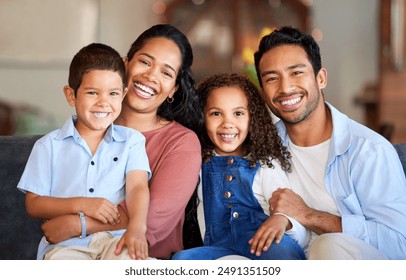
(62, 165)
(365, 178)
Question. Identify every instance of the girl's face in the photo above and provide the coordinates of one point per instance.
(227, 120)
(97, 101)
(152, 73)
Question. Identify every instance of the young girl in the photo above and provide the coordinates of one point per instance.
(243, 163)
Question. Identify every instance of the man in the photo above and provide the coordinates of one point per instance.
(348, 185)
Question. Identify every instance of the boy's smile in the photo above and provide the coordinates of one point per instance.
(97, 101)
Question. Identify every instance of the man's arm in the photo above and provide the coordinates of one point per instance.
(288, 202)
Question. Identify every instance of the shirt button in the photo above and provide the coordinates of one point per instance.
(230, 160)
(227, 194)
(235, 215)
(229, 178)
(115, 159)
(92, 162)
(91, 190)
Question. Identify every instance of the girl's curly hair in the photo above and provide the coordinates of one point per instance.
(263, 143)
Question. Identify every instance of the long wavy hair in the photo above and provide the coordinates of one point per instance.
(263, 143)
(183, 108)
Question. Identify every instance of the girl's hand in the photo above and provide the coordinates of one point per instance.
(271, 230)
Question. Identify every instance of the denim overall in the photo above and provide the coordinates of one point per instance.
(233, 214)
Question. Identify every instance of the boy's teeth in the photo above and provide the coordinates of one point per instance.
(101, 115)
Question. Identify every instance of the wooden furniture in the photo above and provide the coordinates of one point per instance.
(219, 30)
(391, 89)
(7, 120)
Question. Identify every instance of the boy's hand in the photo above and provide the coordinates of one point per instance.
(102, 210)
(272, 229)
(136, 243)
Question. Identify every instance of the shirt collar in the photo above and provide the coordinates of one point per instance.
(69, 130)
(340, 139)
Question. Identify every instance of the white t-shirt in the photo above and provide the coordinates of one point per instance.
(307, 176)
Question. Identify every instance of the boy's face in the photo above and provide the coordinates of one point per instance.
(226, 116)
(98, 100)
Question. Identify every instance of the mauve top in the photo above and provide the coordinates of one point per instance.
(175, 159)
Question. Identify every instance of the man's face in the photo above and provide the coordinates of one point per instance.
(291, 89)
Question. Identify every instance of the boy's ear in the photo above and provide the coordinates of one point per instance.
(69, 95)
(125, 92)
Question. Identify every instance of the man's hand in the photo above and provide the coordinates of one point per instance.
(290, 203)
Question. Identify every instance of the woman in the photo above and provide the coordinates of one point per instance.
(161, 103)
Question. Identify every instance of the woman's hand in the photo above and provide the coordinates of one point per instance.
(61, 228)
(64, 227)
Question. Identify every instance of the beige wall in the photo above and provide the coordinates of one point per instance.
(39, 37)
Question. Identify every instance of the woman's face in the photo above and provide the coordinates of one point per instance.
(152, 73)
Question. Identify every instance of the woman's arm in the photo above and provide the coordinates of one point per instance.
(47, 207)
(65, 227)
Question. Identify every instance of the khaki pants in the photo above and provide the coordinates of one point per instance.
(339, 246)
(101, 247)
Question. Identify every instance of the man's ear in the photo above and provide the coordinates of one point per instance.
(322, 78)
(69, 95)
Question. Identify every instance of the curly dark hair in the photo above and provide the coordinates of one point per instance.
(263, 143)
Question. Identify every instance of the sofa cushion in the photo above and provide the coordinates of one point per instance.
(19, 234)
(401, 149)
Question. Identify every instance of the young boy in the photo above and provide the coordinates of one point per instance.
(82, 168)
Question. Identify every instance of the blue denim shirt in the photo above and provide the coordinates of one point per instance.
(366, 180)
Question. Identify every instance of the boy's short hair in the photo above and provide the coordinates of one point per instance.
(95, 56)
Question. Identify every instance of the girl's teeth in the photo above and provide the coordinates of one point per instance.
(228, 135)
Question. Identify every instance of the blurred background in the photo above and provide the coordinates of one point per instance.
(362, 47)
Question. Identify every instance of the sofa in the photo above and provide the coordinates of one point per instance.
(19, 233)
